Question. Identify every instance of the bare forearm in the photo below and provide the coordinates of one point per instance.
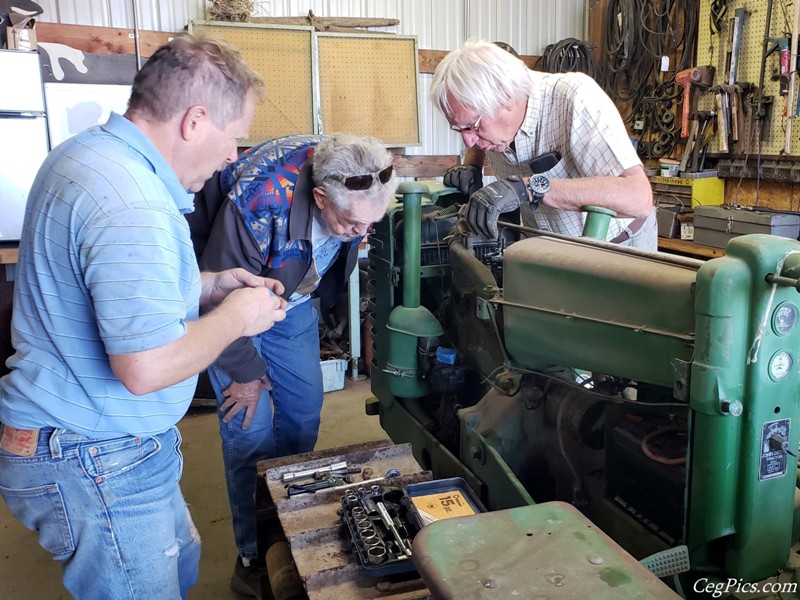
(243, 312)
(152, 370)
(206, 287)
(629, 194)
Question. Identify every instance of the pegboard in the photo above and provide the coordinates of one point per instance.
(283, 58)
(368, 86)
(713, 50)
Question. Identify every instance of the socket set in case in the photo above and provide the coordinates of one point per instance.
(381, 523)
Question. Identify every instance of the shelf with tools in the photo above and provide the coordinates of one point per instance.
(752, 92)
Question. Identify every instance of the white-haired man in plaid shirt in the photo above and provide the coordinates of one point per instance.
(562, 126)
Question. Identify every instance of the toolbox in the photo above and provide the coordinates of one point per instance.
(667, 216)
(380, 524)
(716, 226)
(381, 521)
(692, 192)
(443, 499)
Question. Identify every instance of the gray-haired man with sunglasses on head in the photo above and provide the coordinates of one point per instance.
(294, 209)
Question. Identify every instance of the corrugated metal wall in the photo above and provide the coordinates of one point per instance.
(528, 25)
(155, 15)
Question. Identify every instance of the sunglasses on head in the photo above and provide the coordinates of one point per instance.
(357, 183)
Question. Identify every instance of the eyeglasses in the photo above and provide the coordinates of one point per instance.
(357, 183)
(471, 127)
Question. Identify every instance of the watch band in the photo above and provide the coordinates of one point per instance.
(537, 190)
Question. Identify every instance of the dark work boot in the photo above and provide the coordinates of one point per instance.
(246, 580)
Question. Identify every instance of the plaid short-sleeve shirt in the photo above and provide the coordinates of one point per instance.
(570, 113)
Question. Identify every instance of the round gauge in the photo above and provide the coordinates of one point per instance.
(780, 365)
(784, 319)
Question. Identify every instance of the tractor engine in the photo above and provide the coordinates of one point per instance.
(657, 394)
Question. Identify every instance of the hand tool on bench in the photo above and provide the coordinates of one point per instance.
(387, 520)
(295, 475)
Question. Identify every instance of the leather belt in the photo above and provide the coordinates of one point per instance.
(630, 231)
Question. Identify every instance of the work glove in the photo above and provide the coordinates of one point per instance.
(465, 178)
(489, 202)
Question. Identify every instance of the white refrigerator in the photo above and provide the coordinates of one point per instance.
(23, 136)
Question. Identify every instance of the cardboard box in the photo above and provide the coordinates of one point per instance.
(686, 221)
(21, 35)
(21, 39)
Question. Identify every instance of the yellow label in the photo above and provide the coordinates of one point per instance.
(442, 505)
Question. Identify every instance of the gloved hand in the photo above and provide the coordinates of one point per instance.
(465, 178)
(489, 202)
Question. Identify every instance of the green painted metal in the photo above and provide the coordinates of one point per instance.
(412, 214)
(545, 551)
(383, 284)
(503, 489)
(736, 340)
(597, 309)
(707, 334)
(410, 322)
(597, 221)
(406, 326)
(431, 454)
(471, 277)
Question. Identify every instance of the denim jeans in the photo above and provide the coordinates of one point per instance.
(288, 424)
(110, 511)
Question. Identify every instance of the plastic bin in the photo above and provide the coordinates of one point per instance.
(333, 374)
(371, 535)
(443, 498)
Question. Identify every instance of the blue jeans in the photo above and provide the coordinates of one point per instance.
(286, 424)
(110, 511)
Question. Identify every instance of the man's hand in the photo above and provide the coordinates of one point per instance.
(257, 309)
(217, 286)
(243, 396)
(465, 178)
(489, 202)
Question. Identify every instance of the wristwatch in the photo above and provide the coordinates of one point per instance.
(539, 185)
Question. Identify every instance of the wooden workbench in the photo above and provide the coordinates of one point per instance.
(311, 525)
(8, 255)
(688, 248)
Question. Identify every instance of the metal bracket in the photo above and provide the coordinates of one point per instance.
(483, 309)
(680, 389)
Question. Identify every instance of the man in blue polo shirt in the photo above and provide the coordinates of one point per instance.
(106, 330)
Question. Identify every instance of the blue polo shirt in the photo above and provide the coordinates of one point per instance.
(106, 266)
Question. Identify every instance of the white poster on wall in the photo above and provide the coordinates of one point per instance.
(73, 107)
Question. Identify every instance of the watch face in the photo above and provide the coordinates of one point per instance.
(539, 185)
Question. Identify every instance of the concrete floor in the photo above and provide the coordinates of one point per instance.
(27, 572)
